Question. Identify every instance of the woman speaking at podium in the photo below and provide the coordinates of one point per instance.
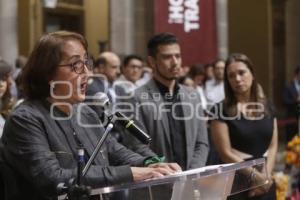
(244, 126)
(42, 134)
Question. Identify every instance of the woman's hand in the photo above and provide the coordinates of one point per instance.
(154, 171)
(259, 179)
(172, 167)
(261, 190)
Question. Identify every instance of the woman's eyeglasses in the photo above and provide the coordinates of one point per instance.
(78, 65)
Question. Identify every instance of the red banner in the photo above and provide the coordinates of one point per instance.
(194, 23)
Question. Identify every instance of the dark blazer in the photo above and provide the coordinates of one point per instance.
(148, 102)
(43, 153)
(99, 85)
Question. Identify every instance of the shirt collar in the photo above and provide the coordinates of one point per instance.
(165, 90)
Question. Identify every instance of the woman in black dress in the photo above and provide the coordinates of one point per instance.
(243, 125)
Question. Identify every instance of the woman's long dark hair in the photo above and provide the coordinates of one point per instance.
(256, 92)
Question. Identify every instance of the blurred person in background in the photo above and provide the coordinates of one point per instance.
(106, 73)
(184, 70)
(17, 75)
(147, 74)
(20, 63)
(243, 126)
(6, 100)
(99, 66)
(209, 71)
(197, 74)
(132, 72)
(111, 67)
(291, 99)
(187, 81)
(183, 78)
(214, 88)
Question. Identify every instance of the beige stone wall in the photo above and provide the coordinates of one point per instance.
(292, 36)
(121, 26)
(250, 32)
(222, 28)
(29, 24)
(96, 23)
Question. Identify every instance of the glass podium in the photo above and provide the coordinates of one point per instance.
(215, 182)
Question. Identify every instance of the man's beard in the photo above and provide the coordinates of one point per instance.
(163, 76)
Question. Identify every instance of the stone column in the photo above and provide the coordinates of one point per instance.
(121, 26)
(222, 28)
(8, 30)
(131, 26)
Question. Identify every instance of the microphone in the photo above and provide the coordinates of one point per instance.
(120, 119)
(129, 125)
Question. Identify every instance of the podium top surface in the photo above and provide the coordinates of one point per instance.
(189, 174)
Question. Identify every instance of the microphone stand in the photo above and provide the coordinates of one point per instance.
(99, 145)
(75, 190)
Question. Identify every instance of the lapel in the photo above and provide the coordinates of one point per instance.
(44, 108)
(153, 90)
(188, 124)
(85, 135)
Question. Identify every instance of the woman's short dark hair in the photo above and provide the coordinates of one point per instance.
(43, 62)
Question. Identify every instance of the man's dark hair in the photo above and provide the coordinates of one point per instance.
(128, 58)
(100, 61)
(160, 39)
(196, 69)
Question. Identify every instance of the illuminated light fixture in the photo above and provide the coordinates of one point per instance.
(49, 3)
